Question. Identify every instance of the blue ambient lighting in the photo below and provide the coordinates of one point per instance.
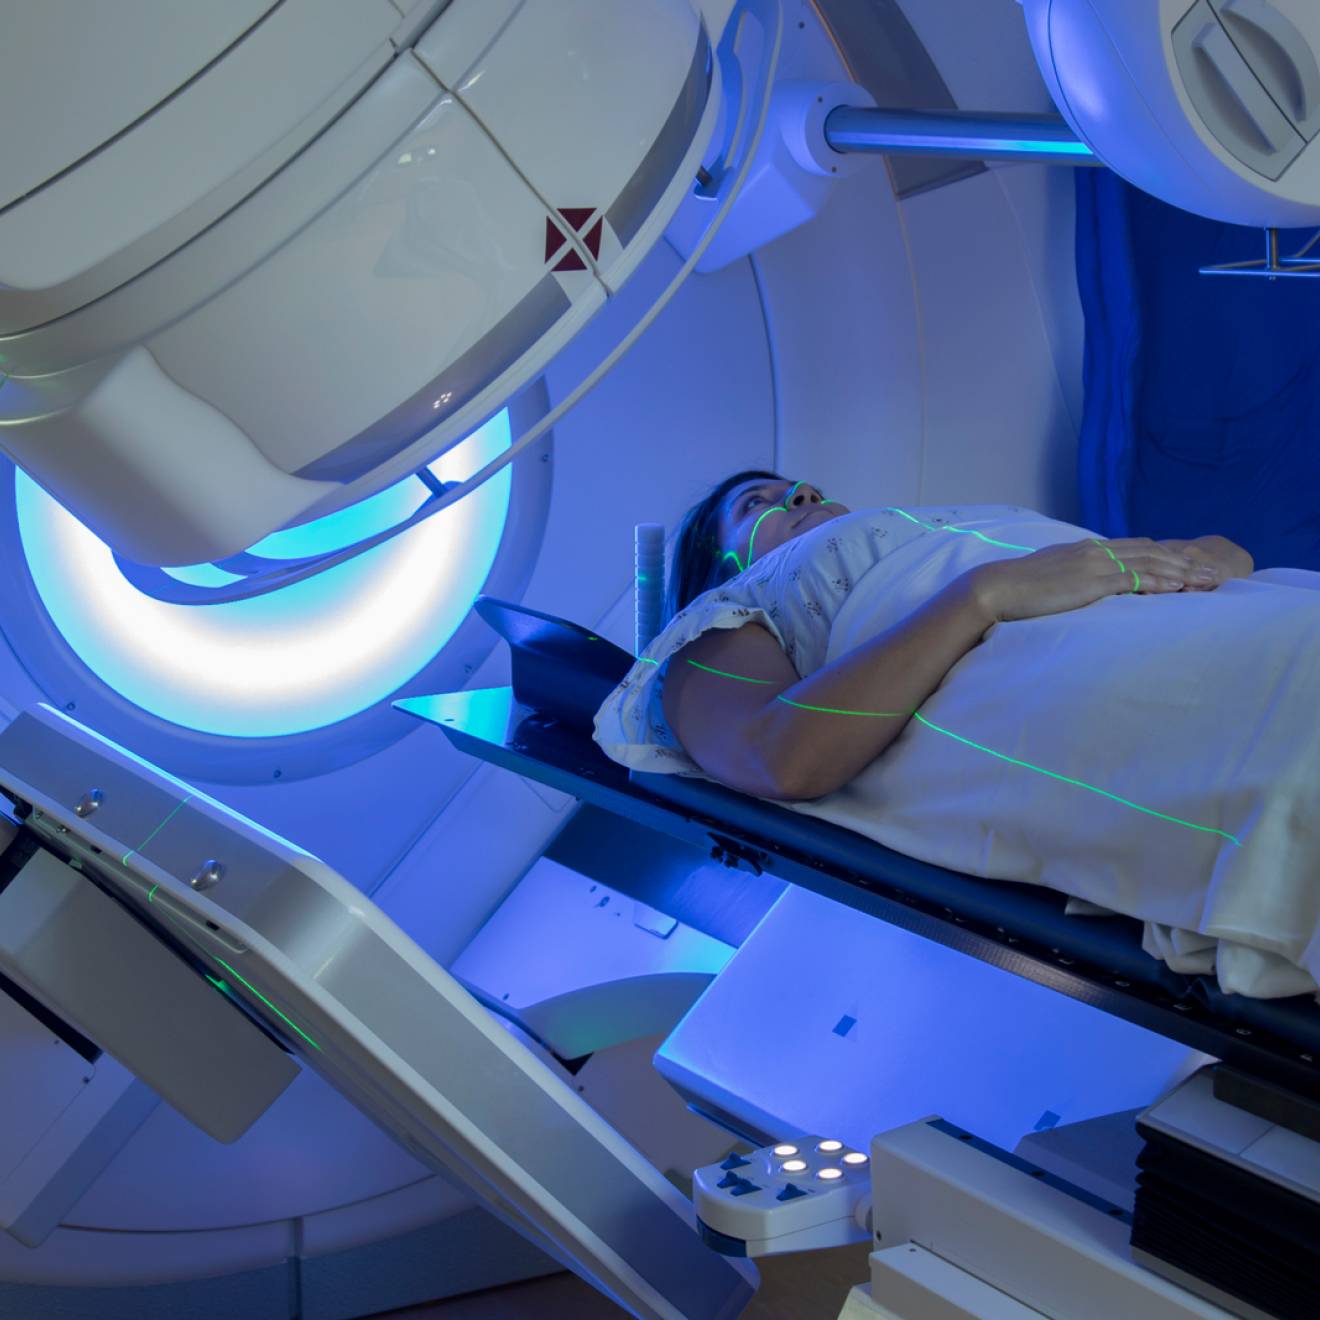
(203, 575)
(335, 531)
(982, 145)
(309, 655)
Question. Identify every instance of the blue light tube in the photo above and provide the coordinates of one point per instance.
(952, 133)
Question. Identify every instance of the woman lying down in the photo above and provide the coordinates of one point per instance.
(1131, 722)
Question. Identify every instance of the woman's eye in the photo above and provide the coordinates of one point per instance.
(748, 505)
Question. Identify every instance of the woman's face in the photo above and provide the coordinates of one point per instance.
(763, 513)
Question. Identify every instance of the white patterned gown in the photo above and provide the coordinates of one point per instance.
(1155, 755)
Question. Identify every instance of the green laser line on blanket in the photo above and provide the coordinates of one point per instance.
(888, 714)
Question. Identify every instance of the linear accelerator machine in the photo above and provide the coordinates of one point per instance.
(264, 265)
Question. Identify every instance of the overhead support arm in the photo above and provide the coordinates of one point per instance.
(1043, 138)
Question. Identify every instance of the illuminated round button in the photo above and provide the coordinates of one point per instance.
(854, 1157)
(830, 1175)
(785, 1150)
(830, 1146)
(793, 1166)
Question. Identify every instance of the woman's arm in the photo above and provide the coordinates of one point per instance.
(765, 736)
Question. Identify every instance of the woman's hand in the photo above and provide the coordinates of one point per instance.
(1225, 558)
(1075, 573)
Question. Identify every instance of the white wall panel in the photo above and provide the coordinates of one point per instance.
(690, 403)
(1044, 202)
(72, 1256)
(471, 857)
(998, 430)
(983, 53)
(846, 331)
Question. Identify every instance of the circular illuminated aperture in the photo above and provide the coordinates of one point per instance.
(830, 1175)
(299, 658)
(785, 1149)
(830, 1146)
(855, 1158)
(793, 1166)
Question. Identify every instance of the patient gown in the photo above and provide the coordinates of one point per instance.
(1154, 755)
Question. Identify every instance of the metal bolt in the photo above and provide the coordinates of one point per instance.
(88, 803)
(208, 874)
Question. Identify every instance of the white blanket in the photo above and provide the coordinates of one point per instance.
(1157, 756)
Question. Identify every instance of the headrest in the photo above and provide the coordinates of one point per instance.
(559, 669)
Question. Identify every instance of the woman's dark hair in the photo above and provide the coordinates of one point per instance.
(699, 559)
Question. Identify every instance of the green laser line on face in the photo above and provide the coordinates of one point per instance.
(751, 541)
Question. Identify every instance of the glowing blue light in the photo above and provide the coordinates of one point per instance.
(203, 575)
(309, 655)
(387, 508)
(974, 145)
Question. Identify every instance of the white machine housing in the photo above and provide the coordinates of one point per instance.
(1211, 105)
(213, 332)
(324, 971)
(960, 1223)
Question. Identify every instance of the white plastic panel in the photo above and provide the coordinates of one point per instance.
(76, 73)
(455, 42)
(344, 151)
(1229, 99)
(1059, 1255)
(829, 1021)
(52, 1080)
(132, 441)
(194, 158)
(1280, 40)
(618, 173)
(62, 1120)
(77, 951)
(1288, 1155)
(458, 871)
(579, 57)
(910, 1277)
(603, 968)
(428, 253)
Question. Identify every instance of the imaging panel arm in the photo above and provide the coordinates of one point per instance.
(196, 893)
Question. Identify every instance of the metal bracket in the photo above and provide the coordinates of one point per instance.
(1271, 266)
